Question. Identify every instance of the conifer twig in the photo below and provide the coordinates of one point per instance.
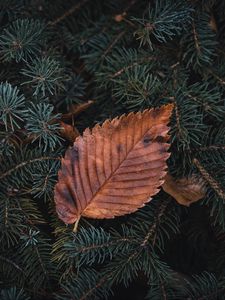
(68, 12)
(12, 263)
(109, 244)
(153, 228)
(113, 43)
(24, 163)
(220, 80)
(98, 284)
(41, 263)
(197, 46)
(209, 148)
(130, 66)
(208, 178)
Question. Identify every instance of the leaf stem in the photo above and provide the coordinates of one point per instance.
(76, 225)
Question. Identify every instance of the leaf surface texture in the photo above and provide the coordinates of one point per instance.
(115, 168)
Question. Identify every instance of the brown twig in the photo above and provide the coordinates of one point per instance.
(209, 148)
(197, 46)
(209, 179)
(178, 124)
(119, 72)
(68, 12)
(13, 264)
(98, 284)
(24, 163)
(111, 45)
(220, 80)
(107, 245)
(152, 232)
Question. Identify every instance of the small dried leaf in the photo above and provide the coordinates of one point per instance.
(69, 132)
(115, 168)
(186, 190)
(119, 17)
(212, 23)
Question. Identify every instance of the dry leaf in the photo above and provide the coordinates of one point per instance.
(212, 23)
(120, 17)
(115, 168)
(69, 132)
(186, 190)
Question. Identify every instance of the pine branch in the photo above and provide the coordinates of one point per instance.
(25, 163)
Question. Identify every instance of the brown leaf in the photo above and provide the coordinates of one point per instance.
(69, 132)
(212, 23)
(186, 190)
(115, 168)
(120, 17)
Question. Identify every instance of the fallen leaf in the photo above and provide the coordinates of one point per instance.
(69, 132)
(114, 169)
(120, 17)
(212, 23)
(186, 190)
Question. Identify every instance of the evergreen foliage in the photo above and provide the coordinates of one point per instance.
(125, 56)
(21, 40)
